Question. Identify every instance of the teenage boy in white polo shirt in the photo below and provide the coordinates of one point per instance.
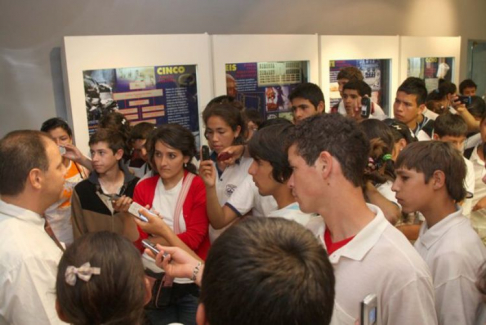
(328, 155)
(430, 179)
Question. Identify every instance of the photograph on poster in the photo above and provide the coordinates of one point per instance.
(265, 86)
(158, 95)
(375, 73)
(431, 69)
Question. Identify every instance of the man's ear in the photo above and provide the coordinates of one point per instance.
(438, 179)
(35, 178)
(321, 107)
(119, 154)
(201, 315)
(60, 313)
(324, 164)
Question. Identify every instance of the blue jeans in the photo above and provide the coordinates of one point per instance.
(182, 310)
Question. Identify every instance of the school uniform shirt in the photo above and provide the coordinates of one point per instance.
(454, 254)
(377, 112)
(246, 198)
(226, 183)
(28, 268)
(311, 221)
(380, 260)
(469, 184)
(478, 217)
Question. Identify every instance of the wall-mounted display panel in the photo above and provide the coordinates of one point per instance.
(376, 56)
(261, 70)
(430, 58)
(265, 86)
(154, 78)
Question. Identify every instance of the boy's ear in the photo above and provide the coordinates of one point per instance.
(421, 108)
(60, 313)
(438, 179)
(435, 136)
(201, 315)
(148, 291)
(119, 154)
(321, 107)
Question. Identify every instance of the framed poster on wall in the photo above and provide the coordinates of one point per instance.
(261, 70)
(154, 78)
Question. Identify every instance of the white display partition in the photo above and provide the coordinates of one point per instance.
(82, 53)
(258, 48)
(357, 48)
(414, 47)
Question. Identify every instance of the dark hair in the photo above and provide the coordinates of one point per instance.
(400, 130)
(308, 91)
(467, 83)
(20, 152)
(175, 136)
(267, 144)
(477, 108)
(350, 73)
(118, 122)
(116, 295)
(337, 135)
(252, 115)
(282, 274)
(450, 125)
(228, 113)
(54, 123)
(141, 131)
(414, 86)
(381, 147)
(225, 99)
(435, 95)
(447, 87)
(429, 156)
(360, 86)
(113, 139)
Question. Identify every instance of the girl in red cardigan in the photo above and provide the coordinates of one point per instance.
(171, 149)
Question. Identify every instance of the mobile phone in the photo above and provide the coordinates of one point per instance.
(365, 107)
(465, 100)
(369, 310)
(205, 152)
(224, 156)
(147, 244)
(133, 209)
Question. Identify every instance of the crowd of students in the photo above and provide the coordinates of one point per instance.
(286, 222)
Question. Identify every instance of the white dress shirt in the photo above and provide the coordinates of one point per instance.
(28, 268)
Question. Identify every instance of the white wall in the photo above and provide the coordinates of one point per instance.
(31, 33)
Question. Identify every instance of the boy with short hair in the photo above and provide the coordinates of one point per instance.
(351, 74)
(453, 129)
(353, 93)
(306, 99)
(409, 107)
(138, 138)
(430, 178)
(101, 201)
(468, 87)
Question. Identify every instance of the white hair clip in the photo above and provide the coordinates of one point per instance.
(84, 272)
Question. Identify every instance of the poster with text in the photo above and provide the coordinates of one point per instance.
(431, 70)
(375, 73)
(265, 86)
(158, 95)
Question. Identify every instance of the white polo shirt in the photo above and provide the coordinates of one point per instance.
(469, 184)
(478, 217)
(380, 260)
(311, 221)
(246, 198)
(226, 185)
(454, 254)
(28, 268)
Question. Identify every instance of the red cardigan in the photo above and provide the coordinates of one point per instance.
(193, 210)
